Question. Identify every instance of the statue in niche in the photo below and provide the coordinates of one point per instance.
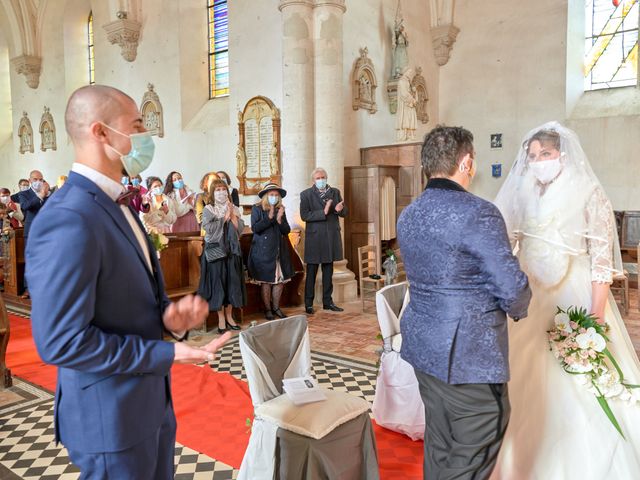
(25, 133)
(47, 131)
(364, 83)
(419, 85)
(365, 88)
(152, 112)
(400, 45)
(406, 121)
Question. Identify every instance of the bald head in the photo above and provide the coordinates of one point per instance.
(35, 175)
(93, 103)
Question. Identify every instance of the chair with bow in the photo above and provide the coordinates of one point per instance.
(328, 439)
(397, 404)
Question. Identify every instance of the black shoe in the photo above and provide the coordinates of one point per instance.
(309, 310)
(268, 315)
(279, 313)
(221, 330)
(333, 307)
(233, 327)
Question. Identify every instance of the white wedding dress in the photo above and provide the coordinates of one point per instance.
(557, 429)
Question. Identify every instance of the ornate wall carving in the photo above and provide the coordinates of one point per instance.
(25, 133)
(126, 34)
(258, 156)
(364, 83)
(419, 85)
(443, 31)
(47, 131)
(152, 114)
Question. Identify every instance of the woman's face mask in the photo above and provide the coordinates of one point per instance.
(178, 184)
(5, 199)
(135, 182)
(273, 199)
(157, 190)
(141, 154)
(220, 196)
(547, 170)
(125, 181)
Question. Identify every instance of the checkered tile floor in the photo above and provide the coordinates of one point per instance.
(27, 448)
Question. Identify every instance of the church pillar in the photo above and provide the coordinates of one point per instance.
(329, 111)
(298, 105)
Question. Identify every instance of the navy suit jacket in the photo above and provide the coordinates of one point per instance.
(30, 203)
(463, 279)
(97, 315)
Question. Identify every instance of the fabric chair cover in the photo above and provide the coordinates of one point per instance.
(280, 349)
(397, 404)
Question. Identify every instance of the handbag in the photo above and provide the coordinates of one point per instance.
(214, 251)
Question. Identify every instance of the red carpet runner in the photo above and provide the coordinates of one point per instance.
(212, 409)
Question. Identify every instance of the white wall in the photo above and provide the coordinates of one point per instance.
(508, 73)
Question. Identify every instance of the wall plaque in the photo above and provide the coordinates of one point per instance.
(258, 155)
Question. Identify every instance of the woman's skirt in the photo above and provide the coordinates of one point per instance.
(222, 282)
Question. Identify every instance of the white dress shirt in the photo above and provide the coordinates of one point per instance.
(113, 190)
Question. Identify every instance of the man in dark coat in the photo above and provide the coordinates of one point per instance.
(320, 207)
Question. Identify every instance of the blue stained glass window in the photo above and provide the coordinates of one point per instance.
(611, 44)
(218, 17)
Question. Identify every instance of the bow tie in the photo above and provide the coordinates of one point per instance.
(126, 197)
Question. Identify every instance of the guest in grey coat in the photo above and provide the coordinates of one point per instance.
(320, 207)
(464, 281)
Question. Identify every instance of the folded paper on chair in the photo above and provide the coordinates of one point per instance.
(303, 390)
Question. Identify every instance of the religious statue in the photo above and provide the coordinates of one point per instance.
(407, 120)
(241, 161)
(365, 89)
(273, 160)
(400, 44)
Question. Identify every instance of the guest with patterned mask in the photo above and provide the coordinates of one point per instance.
(162, 212)
(269, 260)
(235, 197)
(185, 200)
(221, 266)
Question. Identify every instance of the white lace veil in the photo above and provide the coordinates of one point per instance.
(576, 170)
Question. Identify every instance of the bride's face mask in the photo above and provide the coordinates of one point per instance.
(544, 162)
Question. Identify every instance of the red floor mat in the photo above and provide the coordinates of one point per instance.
(212, 409)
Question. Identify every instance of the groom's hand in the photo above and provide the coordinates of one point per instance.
(185, 353)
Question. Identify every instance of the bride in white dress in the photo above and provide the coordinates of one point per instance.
(563, 225)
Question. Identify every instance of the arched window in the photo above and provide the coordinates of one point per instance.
(218, 48)
(611, 43)
(92, 75)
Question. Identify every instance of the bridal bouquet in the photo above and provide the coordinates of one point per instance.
(579, 341)
(158, 240)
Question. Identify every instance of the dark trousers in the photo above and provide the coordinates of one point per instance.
(465, 425)
(151, 459)
(310, 284)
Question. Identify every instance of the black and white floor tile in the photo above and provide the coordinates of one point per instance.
(28, 450)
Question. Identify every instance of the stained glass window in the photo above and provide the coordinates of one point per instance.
(218, 48)
(92, 75)
(611, 44)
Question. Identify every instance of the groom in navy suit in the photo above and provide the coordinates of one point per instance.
(464, 281)
(99, 308)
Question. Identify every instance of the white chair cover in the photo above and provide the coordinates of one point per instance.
(397, 404)
(271, 352)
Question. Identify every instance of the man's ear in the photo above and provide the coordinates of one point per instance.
(98, 132)
(465, 163)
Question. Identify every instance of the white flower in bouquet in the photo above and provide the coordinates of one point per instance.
(591, 340)
(563, 323)
(634, 395)
(609, 384)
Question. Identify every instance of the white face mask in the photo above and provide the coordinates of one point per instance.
(546, 170)
(220, 196)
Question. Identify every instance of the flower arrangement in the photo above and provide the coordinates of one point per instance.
(579, 341)
(158, 240)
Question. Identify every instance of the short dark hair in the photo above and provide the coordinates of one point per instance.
(5, 191)
(442, 149)
(23, 180)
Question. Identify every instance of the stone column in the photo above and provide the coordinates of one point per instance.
(329, 112)
(298, 105)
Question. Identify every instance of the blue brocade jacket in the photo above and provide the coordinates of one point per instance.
(464, 280)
